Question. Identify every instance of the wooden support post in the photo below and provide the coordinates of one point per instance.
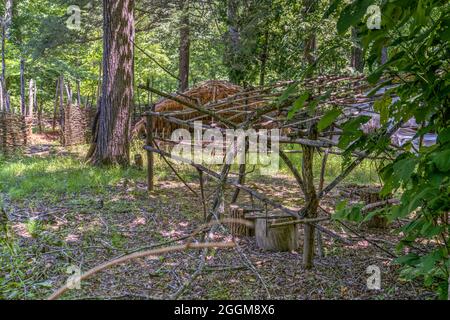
(78, 93)
(150, 160)
(29, 113)
(55, 112)
(61, 107)
(22, 86)
(202, 194)
(312, 201)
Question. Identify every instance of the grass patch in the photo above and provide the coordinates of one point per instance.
(54, 177)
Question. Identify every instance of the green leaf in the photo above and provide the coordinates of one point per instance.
(445, 32)
(352, 131)
(444, 135)
(328, 119)
(404, 168)
(352, 14)
(297, 105)
(285, 95)
(410, 259)
(341, 205)
(420, 13)
(442, 160)
(382, 106)
(332, 8)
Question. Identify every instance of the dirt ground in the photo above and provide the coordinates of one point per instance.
(84, 230)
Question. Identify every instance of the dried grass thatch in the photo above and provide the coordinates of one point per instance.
(205, 93)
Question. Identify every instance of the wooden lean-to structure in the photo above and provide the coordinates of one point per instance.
(295, 108)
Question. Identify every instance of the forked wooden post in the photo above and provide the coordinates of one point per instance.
(150, 160)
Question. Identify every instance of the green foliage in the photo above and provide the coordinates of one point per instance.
(297, 105)
(416, 34)
(328, 119)
(352, 14)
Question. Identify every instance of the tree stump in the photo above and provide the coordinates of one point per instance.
(372, 195)
(237, 229)
(278, 239)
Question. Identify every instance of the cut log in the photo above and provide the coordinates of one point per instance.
(279, 239)
(238, 229)
(372, 195)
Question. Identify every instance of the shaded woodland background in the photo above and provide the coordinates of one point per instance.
(61, 206)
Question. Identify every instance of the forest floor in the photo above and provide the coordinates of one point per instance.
(63, 212)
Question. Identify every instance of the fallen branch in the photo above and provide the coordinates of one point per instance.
(300, 221)
(154, 252)
(379, 204)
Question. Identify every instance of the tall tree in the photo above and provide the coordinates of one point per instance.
(5, 33)
(233, 42)
(312, 202)
(22, 86)
(309, 7)
(357, 56)
(111, 143)
(185, 43)
(263, 58)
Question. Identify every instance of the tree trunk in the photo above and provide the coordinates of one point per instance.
(6, 25)
(312, 201)
(69, 93)
(8, 17)
(357, 58)
(30, 99)
(61, 108)
(112, 138)
(234, 42)
(2, 103)
(310, 7)
(185, 44)
(3, 81)
(55, 107)
(22, 86)
(263, 58)
(78, 93)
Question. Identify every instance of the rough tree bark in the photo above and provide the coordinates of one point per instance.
(30, 110)
(61, 107)
(3, 85)
(264, 56)
(312, 201)
(234, 42)
(5, 33)
(309, 7)
(78, 93)
(8, 17)
(185, 44)
(22, 86)
(357, 58)
(111, 143)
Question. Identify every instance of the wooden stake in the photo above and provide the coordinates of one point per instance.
(150, 160)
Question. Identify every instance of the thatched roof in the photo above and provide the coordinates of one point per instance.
(204, 94)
